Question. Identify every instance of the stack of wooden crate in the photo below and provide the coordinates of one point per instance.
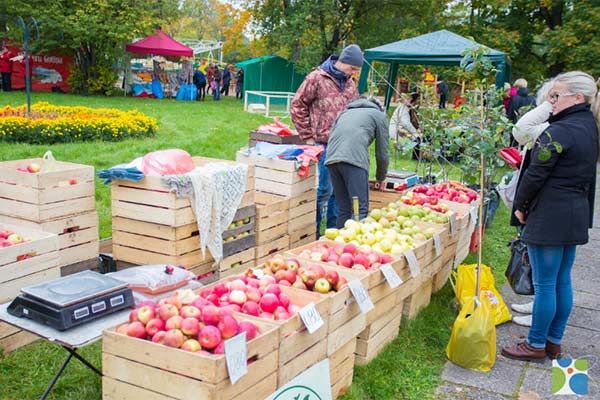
(280, 177)
(60, 201)
(151, 225)
(25, 264)
(272, 218)
(239, 247)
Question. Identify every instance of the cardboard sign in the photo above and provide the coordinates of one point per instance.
(362, 297)
(438, 244)
(311, 317)
(235, 357)
(413, 264)
(391, 276)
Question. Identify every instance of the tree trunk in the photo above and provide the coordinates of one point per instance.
(553, 19)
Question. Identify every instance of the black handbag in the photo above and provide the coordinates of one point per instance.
(518, 272)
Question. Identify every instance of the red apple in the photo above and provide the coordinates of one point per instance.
(220, 349)
(155, 325)
(209, 337)
(250, 329)
(210, 315)
(346, 260)
(190, 326)
(159, 337)
(292, 264)
(332, 277)
(145, 314)
(122, 329)
(319, 270)
(191, 345)
(34, 168)
(299, 285)
(190, 312)
(342, 283)
(350, 248)
(362, 259)
(174, 338)
(237, 297)
(133, 316)
(309, 278)
(250, 308)
(284, 300)
(269, 302)
(136, 329)
(228, 326)
(167, 311)
(238, 284)
(276, 290)
(253, 294)
(173, 323)
(220, 289)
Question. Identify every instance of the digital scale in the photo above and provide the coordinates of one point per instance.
(395, 178)
(72, 300)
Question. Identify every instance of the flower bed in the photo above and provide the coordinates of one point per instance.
(49, 124)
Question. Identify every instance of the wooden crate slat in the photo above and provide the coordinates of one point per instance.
(284, 189)
(270, 234)
(113, 389)
(141, 257)
(303, 221)
(78, 237)
(273, 247)
(243, 258)
(310, 196)
(367, 350)
(78, 253)
(148, 197)
(346, 333)
(16, 340)
(300, 363)
(267, 204)
(302, 233)
(11, 288)
(342, 369)
(28, 266)
(162, 216)
(65, 172)
(340, 387)
(286, 177)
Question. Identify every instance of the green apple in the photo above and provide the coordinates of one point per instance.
(331, 233)
(376, 214)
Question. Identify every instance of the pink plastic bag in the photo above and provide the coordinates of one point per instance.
(167, 162)
(277, 128)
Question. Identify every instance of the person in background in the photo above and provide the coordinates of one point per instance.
(555, 202)
(405, 120)
(216, 84)
(526, 131)
(348, 160)
(322, 96)
(200, 82)
(209, 77)
(521, 99)
(442, 89)
(509, 92)
(239, 84)
(226, 80)
(6, 68)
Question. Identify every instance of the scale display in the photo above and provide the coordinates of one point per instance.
(72, 300)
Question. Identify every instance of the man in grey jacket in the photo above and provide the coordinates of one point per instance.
(348, 159)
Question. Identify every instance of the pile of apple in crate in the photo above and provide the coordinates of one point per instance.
(48, 228)
(263, 323)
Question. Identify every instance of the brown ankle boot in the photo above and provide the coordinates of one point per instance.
(553, 350)
(524, 352)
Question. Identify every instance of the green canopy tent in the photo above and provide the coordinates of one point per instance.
(436, 48)
(270, 74)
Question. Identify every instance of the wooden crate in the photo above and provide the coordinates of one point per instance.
(277, 176)
(272, 138)
(303, 211)
(341, 368)
(135, 369)
(418, 300)
(302, 236)
(243, 259)
(381, 198)
(440, 279)
(267, 250)
(373, 339)
(45, 196)
(15, 274)
(272, 216)
(77, 235)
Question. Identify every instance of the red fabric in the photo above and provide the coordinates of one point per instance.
(512, 156)
(310, 154)
(5, 63)
(276, 128)
(160, 44)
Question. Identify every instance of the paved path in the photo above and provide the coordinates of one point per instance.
(510, 379)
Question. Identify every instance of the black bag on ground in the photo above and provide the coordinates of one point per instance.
(518, 272)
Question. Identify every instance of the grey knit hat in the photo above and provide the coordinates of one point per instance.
(352, 55)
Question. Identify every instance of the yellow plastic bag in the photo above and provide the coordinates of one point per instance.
(464, 280)
(473, 341)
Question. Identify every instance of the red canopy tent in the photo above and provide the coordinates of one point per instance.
(160, 44)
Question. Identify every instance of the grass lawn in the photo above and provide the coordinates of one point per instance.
(409, 368)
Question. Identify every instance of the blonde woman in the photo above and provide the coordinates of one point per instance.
(555, 203)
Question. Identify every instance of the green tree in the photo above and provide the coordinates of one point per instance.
(94, 32)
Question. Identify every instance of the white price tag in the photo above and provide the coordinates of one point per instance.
(473, 212)
(362, 297)
(438, 244)
(413, 264)
(311, 317)
(452, 218)
(235, 357)
(392, 277)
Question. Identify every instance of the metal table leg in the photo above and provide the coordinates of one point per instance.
(72, 353)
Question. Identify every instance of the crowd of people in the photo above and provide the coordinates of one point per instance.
(554, 201)
(212, 80)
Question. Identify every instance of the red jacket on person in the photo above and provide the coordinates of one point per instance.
(5, 63)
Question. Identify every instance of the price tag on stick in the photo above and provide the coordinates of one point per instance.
(438, 244)
(235, 357)
(413, 264)
(311, 317)
(360, 294)
(452, 219)
(391, 276)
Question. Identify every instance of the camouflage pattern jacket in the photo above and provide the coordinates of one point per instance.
(317, 104)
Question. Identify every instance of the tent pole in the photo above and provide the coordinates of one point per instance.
(393, 72)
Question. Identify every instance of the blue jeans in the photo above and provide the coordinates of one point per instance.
(551, 272)
(325, 195)
(217, 92)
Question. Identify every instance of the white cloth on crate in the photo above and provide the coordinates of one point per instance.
(218, 191)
